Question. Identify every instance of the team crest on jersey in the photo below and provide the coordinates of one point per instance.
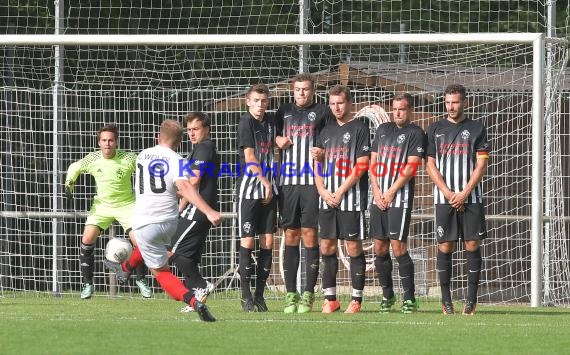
(312, 116)
(120, 173)
(465, 134)
(401, 138)
(246, 227)
(346, 138)
(440, 231)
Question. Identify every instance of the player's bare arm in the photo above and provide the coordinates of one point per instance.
(458, 198)
(318, 154)
(437, 178)
(283, 142)
(376, 191)
(325, 194)
(404, 175)
(191, 194)
(249, 155)
(194, 181)
(360, 168)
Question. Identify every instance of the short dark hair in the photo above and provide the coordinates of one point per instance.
(110, 127)
(456, 89)
(406, 97)
(258, 88)
(198, 116)
(301, 77)
(338, 90)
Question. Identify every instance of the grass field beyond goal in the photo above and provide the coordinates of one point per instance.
(67, 325)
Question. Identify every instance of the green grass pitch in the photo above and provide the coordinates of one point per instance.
(102, 325)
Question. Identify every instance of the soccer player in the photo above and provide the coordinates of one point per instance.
(397, 152)
(112, 169)
(298, 124)
(189, 241)
(256, 207)
(161, 176)
(342, 184)
(457, 157)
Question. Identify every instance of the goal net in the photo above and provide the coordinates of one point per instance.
(140, 84)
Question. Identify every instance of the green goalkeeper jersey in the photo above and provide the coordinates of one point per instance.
(112, 176)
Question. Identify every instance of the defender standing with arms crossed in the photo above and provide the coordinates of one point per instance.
(298, 125)
(458, 154)
(256, 205)
(112, 169)
(397, 153)
(342, 184)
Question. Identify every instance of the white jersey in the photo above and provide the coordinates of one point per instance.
(158, 168)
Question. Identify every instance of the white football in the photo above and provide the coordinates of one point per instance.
(118, 250)
(376, 114)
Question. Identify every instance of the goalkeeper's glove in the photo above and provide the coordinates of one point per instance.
(69, 192)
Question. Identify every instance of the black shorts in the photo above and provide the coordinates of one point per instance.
(255, 218)
(393, 223)
(451, 225)
(299, 206)
(336, 224)
(190, 239)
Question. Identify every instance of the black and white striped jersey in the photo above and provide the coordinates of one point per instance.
(204, 158)
(455, 147)
(259, 135)
(393, 146)
(302, 125)
(343, 146)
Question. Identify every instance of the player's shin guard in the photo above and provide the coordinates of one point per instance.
(245, 271)
(406, 269)
(357, 276)
(330, 269)
(444, 272)
(474, 261)
(263, 270)
(87, 262)
(312, 268)
(383, 264)
(291, 258)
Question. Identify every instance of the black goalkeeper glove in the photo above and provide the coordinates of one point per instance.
(69, 192)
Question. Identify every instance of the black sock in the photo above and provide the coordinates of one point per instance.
(358, 274)
(290, 266)
(141, 271)
(330, 269)
(444, 271)
(191, 271)
(245, 271)
(474, 261)
(383, 264)
(263, 270)
(312, 268)
(87, 262)
(406, 269)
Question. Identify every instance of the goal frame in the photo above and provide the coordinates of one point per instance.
(537, 40)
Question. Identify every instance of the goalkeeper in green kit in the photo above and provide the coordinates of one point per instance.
(115, 200)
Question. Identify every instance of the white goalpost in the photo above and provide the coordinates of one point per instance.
(59, 89)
